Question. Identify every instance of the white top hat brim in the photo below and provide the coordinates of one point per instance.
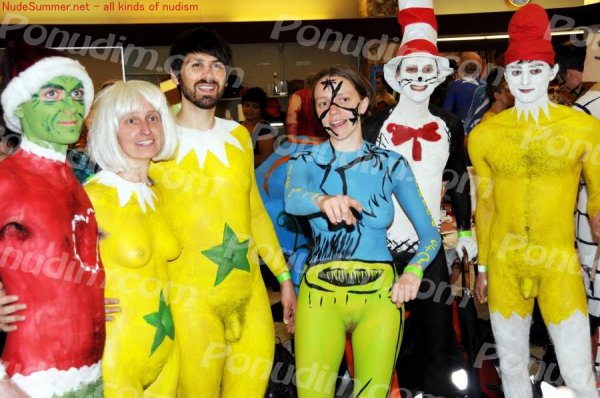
(390, 69)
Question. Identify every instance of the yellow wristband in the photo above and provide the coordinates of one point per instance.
(284, 276)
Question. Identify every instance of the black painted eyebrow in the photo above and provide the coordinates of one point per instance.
(59, 87)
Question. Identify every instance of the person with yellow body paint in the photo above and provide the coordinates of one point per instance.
(528, 161)
(224, 326)
(131, 126)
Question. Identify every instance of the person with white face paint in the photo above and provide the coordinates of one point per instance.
(431, 140)
(528, 161)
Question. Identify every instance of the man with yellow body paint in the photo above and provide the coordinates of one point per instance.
(224, 329)
(528, 161)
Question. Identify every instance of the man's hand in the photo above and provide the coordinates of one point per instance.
(288, 300)
(8, 307)
(405, 288)
(338, 208)
(481, 287)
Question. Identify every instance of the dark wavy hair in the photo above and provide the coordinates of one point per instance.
(199, 40)
(257, 95)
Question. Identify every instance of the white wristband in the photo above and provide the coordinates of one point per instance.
(482, 268)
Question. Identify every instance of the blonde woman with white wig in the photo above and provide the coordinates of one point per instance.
(132, 126)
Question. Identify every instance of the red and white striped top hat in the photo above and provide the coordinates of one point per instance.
(419, 37)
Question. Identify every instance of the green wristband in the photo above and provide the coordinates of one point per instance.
(462, 234)
(284, 276)
(482, 268)
(415, 270)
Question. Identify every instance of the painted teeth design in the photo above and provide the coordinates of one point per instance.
(342, 277)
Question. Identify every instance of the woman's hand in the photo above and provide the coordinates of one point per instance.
(405, 288)
(8, 307)
(288, 300)
(338, 208)
(111, 307)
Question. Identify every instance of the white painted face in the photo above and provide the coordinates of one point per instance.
(418, 77)
(528, 80)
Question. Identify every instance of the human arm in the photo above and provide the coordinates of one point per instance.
(481, 284)
(301, 200)
(291, 117)
(591, 173)
(484, 211)
(458, 186)
(409, 197)
(268, 244)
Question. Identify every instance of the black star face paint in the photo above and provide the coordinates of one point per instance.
(418, 77)
(337, 103)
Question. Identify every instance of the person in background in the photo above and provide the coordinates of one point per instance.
(293, 232)
(300, 118)
(571, 59)
(439, 94)
(9, 143)
(459, 95)
(345, 186)
(215, 210)
(587, 99)
(383, 98)
(497, 62)
(254, 102)
(131, 126)
(498, 94)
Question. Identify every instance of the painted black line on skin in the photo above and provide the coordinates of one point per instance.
(330, 84)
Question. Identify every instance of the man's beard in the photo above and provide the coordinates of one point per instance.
(202, 101)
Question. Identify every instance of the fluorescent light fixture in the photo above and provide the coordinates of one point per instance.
(504, 36)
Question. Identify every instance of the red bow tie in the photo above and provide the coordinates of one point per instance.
(401, 134)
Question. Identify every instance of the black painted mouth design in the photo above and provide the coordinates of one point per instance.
(341, 277)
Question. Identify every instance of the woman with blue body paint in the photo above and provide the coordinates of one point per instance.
(345, 187)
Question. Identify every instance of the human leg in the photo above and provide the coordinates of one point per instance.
(375, 344)
(250, 359)
(429, 352)
(200, 337)
(320, 341)
(563, 305)
(510, 316)
(512, 345)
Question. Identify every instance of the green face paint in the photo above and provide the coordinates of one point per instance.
(52, 118)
